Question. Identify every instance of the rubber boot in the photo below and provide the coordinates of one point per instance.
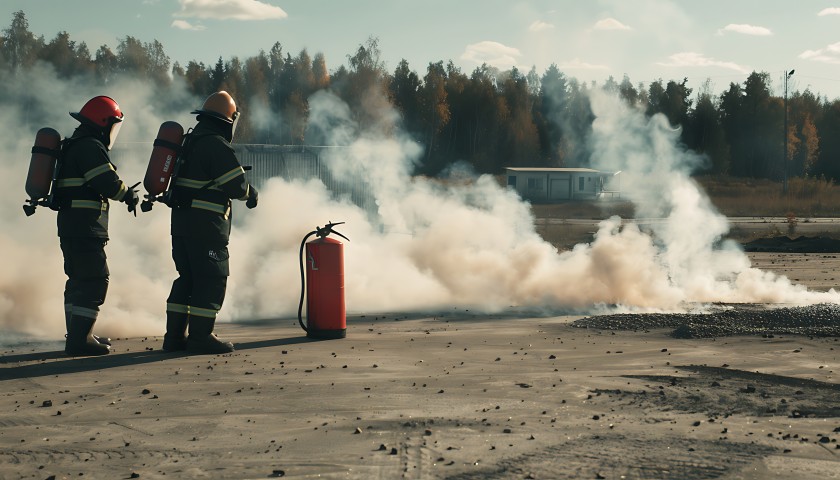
(67, 315)
(202, 340)
(80, 342)
(175, 339)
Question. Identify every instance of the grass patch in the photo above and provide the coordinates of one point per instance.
(806, 197)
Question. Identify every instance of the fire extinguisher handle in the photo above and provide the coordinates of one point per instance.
(328, 229)
(340, 235)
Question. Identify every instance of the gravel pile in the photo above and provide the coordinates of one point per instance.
(794, 245)
(822, 320)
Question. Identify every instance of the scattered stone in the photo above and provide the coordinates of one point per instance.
(47, 403)
(357, 431)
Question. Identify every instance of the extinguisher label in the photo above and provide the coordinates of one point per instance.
(312, 262)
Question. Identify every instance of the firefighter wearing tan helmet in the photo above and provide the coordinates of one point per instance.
(210, 176)
(85, 180)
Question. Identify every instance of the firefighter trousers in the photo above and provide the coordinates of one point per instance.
(203, 269)
(86, 267)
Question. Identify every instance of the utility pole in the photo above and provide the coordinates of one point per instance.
(785, 164)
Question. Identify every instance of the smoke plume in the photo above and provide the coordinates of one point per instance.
(424, 245)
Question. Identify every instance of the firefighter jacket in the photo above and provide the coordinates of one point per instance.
(209, 177)
(86, 180)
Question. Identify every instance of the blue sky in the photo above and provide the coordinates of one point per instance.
(722, 41)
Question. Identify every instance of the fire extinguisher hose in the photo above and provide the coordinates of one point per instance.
(303, 280)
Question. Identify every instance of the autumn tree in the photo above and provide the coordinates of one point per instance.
(134, 58)
(553, 114)
(704, 132)
(68, 58)
(20, 47)
(404, 88)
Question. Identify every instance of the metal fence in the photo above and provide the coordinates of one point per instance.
(290, 162)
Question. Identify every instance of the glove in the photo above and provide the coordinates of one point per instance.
(251, 202)
(132, 199)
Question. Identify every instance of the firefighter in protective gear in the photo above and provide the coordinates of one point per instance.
(85, 181)
(209, 177)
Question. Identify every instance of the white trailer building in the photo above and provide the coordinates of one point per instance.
(557, 184)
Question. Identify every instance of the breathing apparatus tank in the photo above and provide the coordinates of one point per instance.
(162, 162)
(43, 167)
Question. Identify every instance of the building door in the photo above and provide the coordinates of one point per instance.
(559, 189)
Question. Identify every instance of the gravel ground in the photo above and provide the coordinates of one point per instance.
(821, 320)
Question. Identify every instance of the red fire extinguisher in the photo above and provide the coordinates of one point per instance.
(323, 284)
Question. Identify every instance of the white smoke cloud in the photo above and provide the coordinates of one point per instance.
(426, 244)
(694, 59)
(492, 53)
(689, 231)
(185, 25)
(610, 24)
(230, 9)
(745, 29)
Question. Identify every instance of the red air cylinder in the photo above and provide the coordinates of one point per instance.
(162, 161)
(325, 314)
(42, 164)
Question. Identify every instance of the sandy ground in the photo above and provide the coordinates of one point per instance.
(454, 395)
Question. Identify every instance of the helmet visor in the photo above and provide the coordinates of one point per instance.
(115, 131)
(234, 124)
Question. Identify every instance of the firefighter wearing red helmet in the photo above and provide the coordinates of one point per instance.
(84, 183)
(210, 176)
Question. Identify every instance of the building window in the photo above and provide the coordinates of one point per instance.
(535, 184)
(511, 180)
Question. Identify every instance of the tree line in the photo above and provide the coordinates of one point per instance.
(488, 118)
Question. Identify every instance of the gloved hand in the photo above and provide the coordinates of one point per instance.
(132, 199)
(253, 195)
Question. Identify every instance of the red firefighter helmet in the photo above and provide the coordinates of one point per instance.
(219, 105)
(103, 114)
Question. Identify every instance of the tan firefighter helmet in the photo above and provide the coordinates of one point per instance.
(219, 105)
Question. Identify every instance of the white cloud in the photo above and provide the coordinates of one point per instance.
(539, 26)
(745, 29)
(491, 53)
(230, 10)
(829, 54)
(578, 64)
(693, 59)
(829, 11)
(610, 24)
(184, 25)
